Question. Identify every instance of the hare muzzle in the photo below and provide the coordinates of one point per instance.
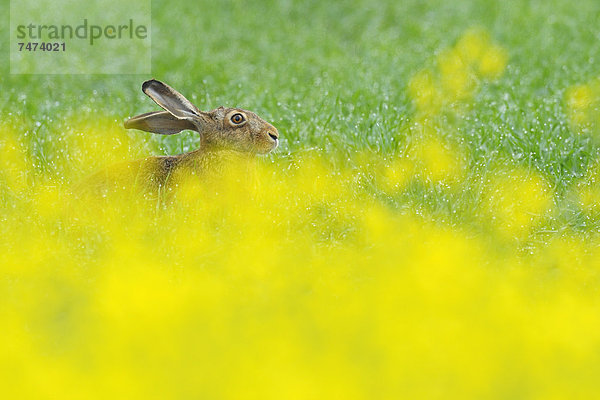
(272, 139)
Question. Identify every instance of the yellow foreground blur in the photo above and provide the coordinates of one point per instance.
(300, 284)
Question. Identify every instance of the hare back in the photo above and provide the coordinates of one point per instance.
(145, 175)
(152, 174)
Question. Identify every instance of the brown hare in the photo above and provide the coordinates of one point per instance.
(226, 134)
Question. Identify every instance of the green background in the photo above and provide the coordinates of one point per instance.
(333, 75)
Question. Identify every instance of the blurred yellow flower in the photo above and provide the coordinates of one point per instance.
(588, 190)
(472, 44)
(14, 162)
(397, 174)
(460, 70)
(493, 62)
(580, 97)
(583, 102)
(297, 280)
(516, 200)
(92, 146)
(457, 78)
(437, 160)
(425, 93)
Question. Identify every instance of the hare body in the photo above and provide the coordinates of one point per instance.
(227, 135)
(151, 173)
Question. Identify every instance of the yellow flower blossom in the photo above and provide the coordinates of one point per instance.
(425, 93)
(457, 78)
(300, 279)
(493, 62)
(460, 70)
(517, 200)
(14, 163)
(472, 45)
(582, 103)
(397, 174)
(437, 160)
(588, 190)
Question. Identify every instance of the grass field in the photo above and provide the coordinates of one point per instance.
(428, 227)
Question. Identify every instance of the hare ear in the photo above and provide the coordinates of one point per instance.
(170, 99)
(162, 122)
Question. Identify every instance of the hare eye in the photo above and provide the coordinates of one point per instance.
(237, 118)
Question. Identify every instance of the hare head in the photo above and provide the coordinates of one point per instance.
(221, 128)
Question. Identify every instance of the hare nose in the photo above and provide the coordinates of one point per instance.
(273, 135)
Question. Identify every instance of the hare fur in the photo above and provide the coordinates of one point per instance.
(226, 134)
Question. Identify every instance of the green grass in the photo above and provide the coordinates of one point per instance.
(333, 76)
